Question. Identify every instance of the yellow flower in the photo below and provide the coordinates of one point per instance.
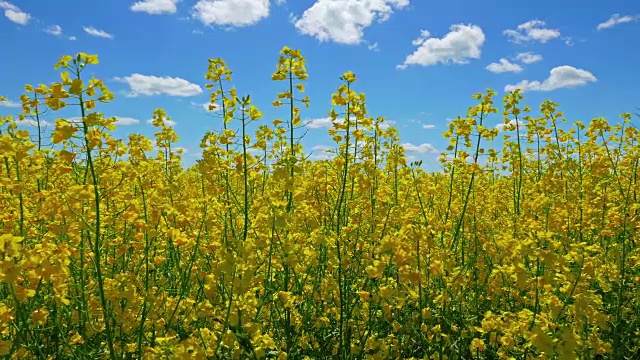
(76, 87)
(89, 59)
(254, 113)
(349, 76)
(63, 131)
(477, 345)
(5, 347)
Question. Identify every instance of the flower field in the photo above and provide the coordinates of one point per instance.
(110, 248)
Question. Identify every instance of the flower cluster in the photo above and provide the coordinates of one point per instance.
(528, 250)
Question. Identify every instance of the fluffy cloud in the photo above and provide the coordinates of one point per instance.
(428, 126)
(206, 106)
(97, 32)
(321, 148)
(511, 125)
(120, 120)
(616, 19)
(231, 12)
(321, 152)
(533, 30)
(450, 157)
(319, 123)
(529, 57)
(154, 85)
(55, 30)
(559, 77)
(14, 13)
(155, 7)
(32, 123)
(504, 66)
(386, 124)
(420, 149)
(124, 121)
(344, 21)
(169, 123)
(463, 42)
(327, 123)
(9, 104)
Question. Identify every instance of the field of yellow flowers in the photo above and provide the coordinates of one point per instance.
(529, 251)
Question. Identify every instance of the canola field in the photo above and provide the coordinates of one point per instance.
(112, 249)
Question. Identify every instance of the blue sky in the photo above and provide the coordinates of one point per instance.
(418, 61)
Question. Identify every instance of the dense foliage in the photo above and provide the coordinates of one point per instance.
(110, 248)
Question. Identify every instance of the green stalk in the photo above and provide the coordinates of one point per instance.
(145, 309)
(344, 348)
(469, 188)
(245, 169)
(291, 142)
(97, 246)
(450, 190)
(418, 250)
(520, 169)
(227, 225)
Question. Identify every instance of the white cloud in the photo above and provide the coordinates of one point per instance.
(9, 104)
(533, 30)
(511, 125)
(386, 124)
(124, 121)
(231, 12)
(73, 38)
(322, 156)
(321, 152)
(327, 122)
(428, 126)
(559, 77)
(420, 149)
(616, 19)
(55, 30)
(344, 21)
(155, 7)
(529, 57)
(211, 107)
(168, 123)
(32, 123)
(14, 13)
(568, 40)
(319, 123)
(373, 47)
(97, 32)
(321, 147)
(154, 85)
(504, 66)
(450, 157)
(462, 43)
(120, 120)
(205, 106)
